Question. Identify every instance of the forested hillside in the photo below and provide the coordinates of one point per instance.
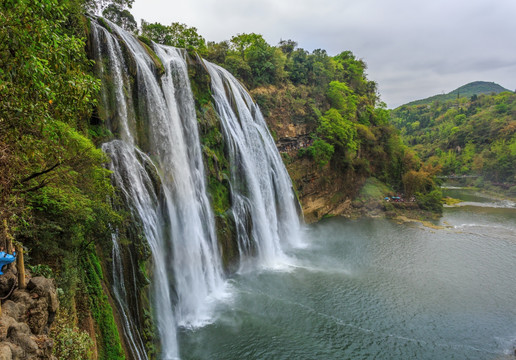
(466, 136)
(54, 188)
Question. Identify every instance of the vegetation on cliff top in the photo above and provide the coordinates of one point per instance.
(331, 99)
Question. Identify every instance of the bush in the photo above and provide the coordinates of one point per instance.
(321, 151)
(70, 343)
(41, 270)
(430, 201)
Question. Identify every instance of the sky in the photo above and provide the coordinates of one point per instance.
(413, 48)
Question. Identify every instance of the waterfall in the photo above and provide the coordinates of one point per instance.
(158, 169)
(261, 190)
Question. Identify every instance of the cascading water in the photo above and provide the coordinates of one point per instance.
(158, 167)
(261, 189)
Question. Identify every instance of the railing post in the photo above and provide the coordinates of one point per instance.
(20, 265)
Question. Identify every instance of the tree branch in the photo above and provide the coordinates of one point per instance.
(35, 175)
(39, 186)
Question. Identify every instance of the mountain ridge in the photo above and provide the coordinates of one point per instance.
(467, 90)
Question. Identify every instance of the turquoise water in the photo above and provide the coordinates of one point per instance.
(375, 289)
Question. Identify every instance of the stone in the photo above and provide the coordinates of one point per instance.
(6, 282)
(16, 329)
(16, 351)
(5, 323)
(25, 321)
(5, 352)
(38, 316)
(19, 334)
(24, 301)
(44, 287)
(12, 309)
(45, 345)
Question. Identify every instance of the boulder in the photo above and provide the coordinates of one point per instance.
(26, 317)
(5, 323)
(17, 352)
(5, 352)
(12, 309)
(44, 287)
(45, 346)
(20, 334)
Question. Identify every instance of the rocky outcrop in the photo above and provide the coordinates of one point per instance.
(26, 317)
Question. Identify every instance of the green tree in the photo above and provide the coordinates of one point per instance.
(121, 17)
(342, 98)
(321, 151)
(265, 62)
(338, 130)
(176, 34)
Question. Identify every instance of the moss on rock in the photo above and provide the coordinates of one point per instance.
(108, 339)
(216, 161)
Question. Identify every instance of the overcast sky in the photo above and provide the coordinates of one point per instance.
(413, 49)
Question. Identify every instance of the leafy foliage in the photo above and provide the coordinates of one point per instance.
(54, 187)
(48, 96)
(101, 309)
(322, 152)
(71, 343)
(176, 34)
(121, 17)
(475, 136)
(430, 201)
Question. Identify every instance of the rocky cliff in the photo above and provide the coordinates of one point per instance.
(26, 317)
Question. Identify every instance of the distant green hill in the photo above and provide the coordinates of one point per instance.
(470, 135)
(468, 90)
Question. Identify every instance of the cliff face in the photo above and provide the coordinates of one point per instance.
(322, 191)
(26, 318)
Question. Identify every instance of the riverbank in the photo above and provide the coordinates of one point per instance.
(373, 200)
(377, 200)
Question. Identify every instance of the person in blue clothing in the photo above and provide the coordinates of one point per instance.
(5, 259)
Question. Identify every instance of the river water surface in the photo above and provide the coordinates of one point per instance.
(375, 289)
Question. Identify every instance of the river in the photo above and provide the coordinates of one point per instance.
(376, 289)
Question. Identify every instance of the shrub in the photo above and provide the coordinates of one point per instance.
(430, 201)
(70, 343)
